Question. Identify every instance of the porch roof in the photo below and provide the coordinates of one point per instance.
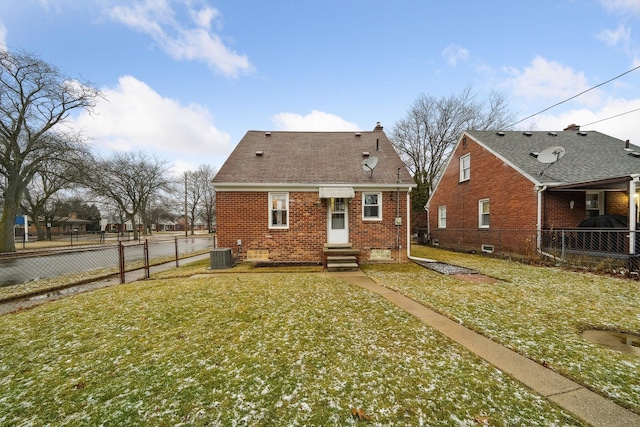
(618, 183)
(336, 192)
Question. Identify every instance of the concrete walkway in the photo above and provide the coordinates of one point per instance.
(576, 399)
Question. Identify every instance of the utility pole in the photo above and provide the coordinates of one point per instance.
(186, 215)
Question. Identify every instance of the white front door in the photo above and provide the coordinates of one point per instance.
(338, 221)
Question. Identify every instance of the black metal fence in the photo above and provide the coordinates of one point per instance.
(130, 260)
(580, 246)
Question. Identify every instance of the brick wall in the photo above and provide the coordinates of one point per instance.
(559, 214)
(513, 200)
(617, 203)
(244, 216)
(558, 211)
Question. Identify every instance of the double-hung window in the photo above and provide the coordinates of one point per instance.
(442, 217)
(372, 206)
(278, 210)
(465, 167)
(483, 213)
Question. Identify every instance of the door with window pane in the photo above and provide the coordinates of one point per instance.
(338, 220)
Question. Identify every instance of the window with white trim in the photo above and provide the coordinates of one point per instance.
(372, 206)
(595, 203)
(483, 213)
(442, 217)
(465, 167)
(278, 210)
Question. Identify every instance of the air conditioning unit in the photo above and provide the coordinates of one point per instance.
(221, 258)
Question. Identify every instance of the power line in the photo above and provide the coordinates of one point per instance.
(575, 96)
(612, 117)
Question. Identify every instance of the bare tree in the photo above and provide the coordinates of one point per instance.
(35, 98)
(426, 136)
(40, 195)
(128, 182)
(194, 190)
(200, 196)
(209, 197)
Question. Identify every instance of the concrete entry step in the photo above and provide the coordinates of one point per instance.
(338, 245)
(337, 252)
(341, 259)
(332, 267)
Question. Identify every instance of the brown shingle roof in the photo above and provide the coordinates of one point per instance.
(312, 158)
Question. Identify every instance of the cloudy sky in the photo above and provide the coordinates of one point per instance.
(186, 79)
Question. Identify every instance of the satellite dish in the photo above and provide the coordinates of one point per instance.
(551, 154)
(369, 164)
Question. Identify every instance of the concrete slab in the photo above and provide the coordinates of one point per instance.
(595, 409)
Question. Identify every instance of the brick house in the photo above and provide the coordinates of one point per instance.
(303, 196)
(513, 191)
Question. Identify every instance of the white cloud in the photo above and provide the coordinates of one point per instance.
(205, 16)
(550, 81)
(183, 42)
(624, 126)
(622, 6)
(3, 37)
(620, 36)
(454, 53)
(314, 121)
(135, 117)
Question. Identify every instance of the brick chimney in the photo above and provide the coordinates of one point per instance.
(378, 127)
(573, 126)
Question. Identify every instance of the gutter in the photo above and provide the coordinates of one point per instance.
(412, 258)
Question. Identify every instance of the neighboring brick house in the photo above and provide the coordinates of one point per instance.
(298, 196)
(505, 191)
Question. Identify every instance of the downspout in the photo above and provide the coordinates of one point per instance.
(412, 258)
(426, 209)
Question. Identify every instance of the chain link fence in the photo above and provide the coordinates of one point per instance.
(54, 268)
(594, 248)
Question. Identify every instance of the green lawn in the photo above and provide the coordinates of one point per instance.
(255, 349)
(537, 311)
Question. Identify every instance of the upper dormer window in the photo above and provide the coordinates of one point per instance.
(465, 167)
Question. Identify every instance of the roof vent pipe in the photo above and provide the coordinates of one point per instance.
(626, 144)
(377, 144)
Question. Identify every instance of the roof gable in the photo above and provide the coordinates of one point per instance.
(589, 155)
(280, 157)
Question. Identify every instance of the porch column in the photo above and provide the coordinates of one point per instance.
(632, 214)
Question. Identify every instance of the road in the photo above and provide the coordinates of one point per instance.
(27, 302)
(26, 267)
